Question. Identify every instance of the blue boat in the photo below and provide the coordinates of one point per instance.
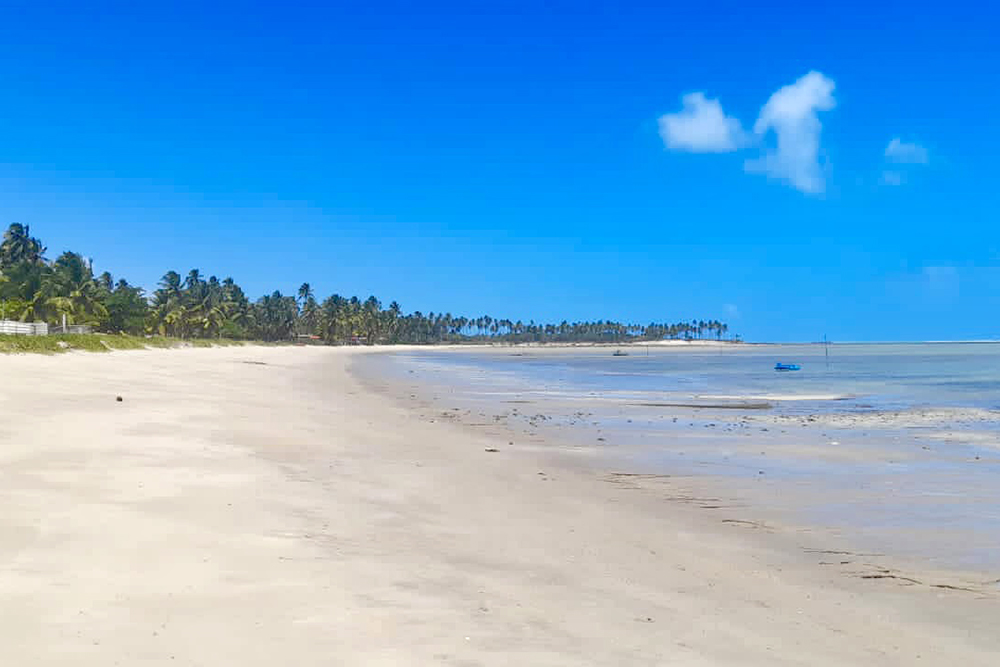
(787, 367)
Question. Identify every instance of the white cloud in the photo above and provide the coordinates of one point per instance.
(701, 127)
(905, 153)
(791, 113)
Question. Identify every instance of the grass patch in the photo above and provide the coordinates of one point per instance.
(11, 344)
(214, 342)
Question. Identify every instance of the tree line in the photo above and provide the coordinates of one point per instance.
(34, 289)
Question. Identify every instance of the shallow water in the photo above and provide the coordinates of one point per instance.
(864, 376)
(896, 446)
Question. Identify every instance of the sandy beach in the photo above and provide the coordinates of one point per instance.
(263, 506)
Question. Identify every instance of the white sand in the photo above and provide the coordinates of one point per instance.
(228, 513)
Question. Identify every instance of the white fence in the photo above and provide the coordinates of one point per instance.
(70, 329)
(24, 328)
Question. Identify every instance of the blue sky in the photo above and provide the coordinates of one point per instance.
(526, 161)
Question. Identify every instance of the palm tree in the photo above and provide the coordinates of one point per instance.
(193, 279)
(305, 292)
(127, 309)
(275, 316)
(33, 289)
(171, 283)
(70, 289)
(19, 246)
(167, 316)
(106, 281)
(20, 290)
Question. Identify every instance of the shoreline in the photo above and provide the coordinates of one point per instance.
(108, 342)
(542, 426)
(261, 505)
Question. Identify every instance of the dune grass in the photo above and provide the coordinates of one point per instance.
(10, 344)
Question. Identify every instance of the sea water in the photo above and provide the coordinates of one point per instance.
(895, 444)
(837, 377)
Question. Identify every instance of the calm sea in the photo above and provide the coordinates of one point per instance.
(841, 377)
(896, 445)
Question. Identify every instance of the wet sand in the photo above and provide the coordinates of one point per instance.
(916, 484)
(261, 506)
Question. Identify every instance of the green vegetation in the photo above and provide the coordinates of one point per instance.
(198, 310)
(97, 343)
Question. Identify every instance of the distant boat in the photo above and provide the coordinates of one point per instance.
(619, 353)
(787, 367)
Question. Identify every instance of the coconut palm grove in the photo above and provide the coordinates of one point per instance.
(35, 289)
